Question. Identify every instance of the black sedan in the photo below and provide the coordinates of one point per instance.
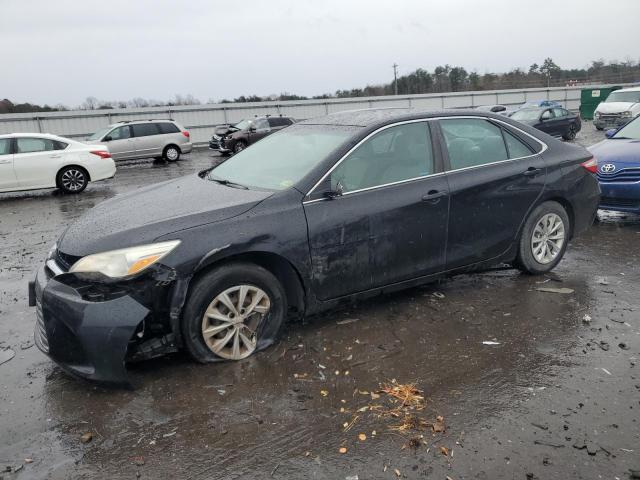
(556, 121)
(331, 209)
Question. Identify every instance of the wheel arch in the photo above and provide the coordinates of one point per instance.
(171, 145)
(76, 165)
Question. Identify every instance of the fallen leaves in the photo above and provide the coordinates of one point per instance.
(343, 450)
(408, 394)
(444, 451)
(86, 437)
(324, 393)
(362, 437)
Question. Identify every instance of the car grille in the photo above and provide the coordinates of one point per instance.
(619, 202)
(622, 175)
(40, 334)
(65, 261)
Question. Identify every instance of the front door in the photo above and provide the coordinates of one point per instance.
(36, 162)
(8, 178)
(120, 142)
(387, 222)
(146, 139)
(494, 179)
(259, 129)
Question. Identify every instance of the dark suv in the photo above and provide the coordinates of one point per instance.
(235, 138)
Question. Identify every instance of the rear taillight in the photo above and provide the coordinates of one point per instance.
(186, 134)
(101, 153)
(591, 165)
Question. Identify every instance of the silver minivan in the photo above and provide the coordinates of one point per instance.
(160, 139)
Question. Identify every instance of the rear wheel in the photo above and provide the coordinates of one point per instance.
(232, 312)
(171, 153)
(571, 133)
(72, 179)
(544, 238)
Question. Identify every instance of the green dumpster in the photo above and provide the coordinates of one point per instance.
(590, 98)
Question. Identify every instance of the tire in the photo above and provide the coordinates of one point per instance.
(571, 133)
(599, 128)
(72, 179)
(530, 258)
(239, 146)
(171, 153)
(207, 295)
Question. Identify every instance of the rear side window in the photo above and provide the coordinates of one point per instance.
(5, 146)
(30, 145)
(516, 148)
(145, 129)
(57, 145)
(472, 142)
(395, 154)
(261, 124)
(560, 112)
(167, 128)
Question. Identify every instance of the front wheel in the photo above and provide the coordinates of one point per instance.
(544, 238)
(239, 146)
(72, 179)
(171, 153)
(232, 312)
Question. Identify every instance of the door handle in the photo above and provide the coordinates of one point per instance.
(532, 172)
(433, 196)
(5, 161)
(55, 156)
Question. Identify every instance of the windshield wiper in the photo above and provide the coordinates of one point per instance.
(228, 183)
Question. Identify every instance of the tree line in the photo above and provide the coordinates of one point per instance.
(444, 78)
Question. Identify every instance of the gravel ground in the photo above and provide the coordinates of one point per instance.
(556, 396)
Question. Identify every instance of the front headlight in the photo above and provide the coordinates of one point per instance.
(124, 262)
(596, 115)
(626, 114)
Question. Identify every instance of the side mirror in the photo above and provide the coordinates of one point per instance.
(611, 132)
(252, 128)
(107, 139)
(337, 192)
(498, 108)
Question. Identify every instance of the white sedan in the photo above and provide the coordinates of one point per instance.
(30, 161)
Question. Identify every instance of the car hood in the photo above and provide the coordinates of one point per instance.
(224, 130)
(614, 107)
(142, 216)
(617, 151)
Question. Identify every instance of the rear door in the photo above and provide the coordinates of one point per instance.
(262, 129)
(494, 179)
(549, 123)
(120, 142)
(8, 178)
(389, 224)
(147, 139)
(36, 161)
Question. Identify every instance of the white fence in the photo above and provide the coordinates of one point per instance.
(201, 120)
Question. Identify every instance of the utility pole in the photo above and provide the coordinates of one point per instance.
(395, 78)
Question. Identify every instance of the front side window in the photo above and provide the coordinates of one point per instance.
(30, 145)
(282, 159)
(398, 153)
(472, 142)
(5, 146)
(560, 112)
(120, 133)
(145, 129)
(547, 115)
(261, 124)
(620, 96)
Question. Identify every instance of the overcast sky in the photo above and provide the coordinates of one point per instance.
(65, 50)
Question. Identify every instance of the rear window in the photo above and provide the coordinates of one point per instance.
(145, 129)
(279, 121)
(167, 128)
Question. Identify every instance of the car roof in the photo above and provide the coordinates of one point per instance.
(373, 117)
(147, 120)
(631, 89)
(37, 135)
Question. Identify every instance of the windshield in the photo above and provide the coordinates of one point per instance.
(630, 130)
(242, 124)
(282, 159)
(620, 96)
(99, 134)
(526, 114)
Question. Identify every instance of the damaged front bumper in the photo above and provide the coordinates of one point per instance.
(90, 329)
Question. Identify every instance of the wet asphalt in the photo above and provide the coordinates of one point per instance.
(556, 396)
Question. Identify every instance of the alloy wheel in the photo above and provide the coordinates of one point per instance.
(231, 322)
(73, 180)
(548, 238)
(172, 154)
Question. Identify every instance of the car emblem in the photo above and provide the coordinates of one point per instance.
(608, 168)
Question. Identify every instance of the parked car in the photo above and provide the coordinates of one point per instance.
(619, 168)
(246, 132)
(499, 109)
(540, 104)
(555, 121)
(30, 161)
(330, 209)
(159, 139)
(619, 108)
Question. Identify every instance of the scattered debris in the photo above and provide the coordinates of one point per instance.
(167, 435)
(586, 318)
(343, 450)
(438, 294)
(548, 444)
(606, 371)
(407, 393)
(444, 451)
(351, 477)
(397, 472)
(324, 393)
(137, 460)
(347, 321)
(623, 346)
(86, 437)
(439, 426)
(362, 437)
(562, 290)
(489, 342)
(6, 355)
